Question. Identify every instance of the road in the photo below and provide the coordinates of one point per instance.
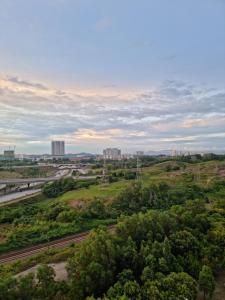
(60, 243)
(17, 195)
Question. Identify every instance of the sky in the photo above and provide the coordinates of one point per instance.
(134, 74)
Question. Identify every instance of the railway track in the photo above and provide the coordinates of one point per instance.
(60, 243)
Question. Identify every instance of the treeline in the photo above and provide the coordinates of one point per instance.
(197, 158)
(146, 160)
(16, 162)
(160, 255)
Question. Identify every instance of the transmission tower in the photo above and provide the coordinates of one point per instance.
(197, 174)
(138, 169)
(104, 171)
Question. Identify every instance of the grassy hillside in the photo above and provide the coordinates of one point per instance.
(103, 191)
(202, 174)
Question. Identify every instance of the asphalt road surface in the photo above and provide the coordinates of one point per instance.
(16, 195)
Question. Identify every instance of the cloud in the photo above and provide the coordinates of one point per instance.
(24, 83)
(165, 117)
(84, 135)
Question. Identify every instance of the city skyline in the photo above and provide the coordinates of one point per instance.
(86, 73)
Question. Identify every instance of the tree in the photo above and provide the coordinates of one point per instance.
(26, 287)
(96, 209)
(132, 290)
(129, 255)
(178, 286)
(92, 269)
(125, 276)
(147, 274)
(7, 288)
(151, 290)
(206, 281)
(45, 282)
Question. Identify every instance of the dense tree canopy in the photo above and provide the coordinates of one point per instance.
(155, 255)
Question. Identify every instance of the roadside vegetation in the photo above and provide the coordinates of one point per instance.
(10, 172)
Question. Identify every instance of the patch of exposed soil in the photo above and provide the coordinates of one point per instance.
(222, 172)
(59, 268)
(3, 239)
(77, 203)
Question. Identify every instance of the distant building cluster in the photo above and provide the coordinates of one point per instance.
(58, 152)
(112, 153)
(175, 153)
(140, 153)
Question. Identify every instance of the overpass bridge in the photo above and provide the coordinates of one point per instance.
(41, 179)
(27, 180)
(57, 176)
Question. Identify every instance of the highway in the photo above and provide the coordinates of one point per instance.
(60, 243)
(18, 195)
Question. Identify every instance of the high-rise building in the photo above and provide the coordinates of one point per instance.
(112, 153)
(58, 148)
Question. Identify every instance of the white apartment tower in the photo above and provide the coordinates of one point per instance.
(58, 148)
